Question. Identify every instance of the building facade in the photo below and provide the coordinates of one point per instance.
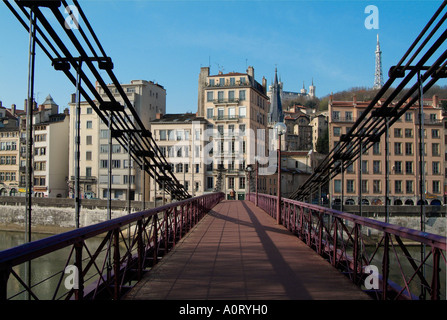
(9, 152)
(180, 140)
(403, 158)
(147, 99)
(236, 107)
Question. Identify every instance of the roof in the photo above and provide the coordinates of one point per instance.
(179, 118)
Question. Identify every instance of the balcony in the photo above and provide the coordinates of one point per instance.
(342, 119)
(226, 118)
(84, 178)
(226, 101)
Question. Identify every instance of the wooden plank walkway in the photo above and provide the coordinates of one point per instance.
(238, 252)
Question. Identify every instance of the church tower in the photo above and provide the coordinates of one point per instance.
(275, 113)
(378, 76)
(312, 90)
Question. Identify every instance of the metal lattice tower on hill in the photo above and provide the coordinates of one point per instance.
(378, 76)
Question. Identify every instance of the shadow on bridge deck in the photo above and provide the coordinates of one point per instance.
(239, 252)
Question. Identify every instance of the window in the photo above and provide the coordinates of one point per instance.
(241, 182)
(89, 124)
(408, 133)
(436, 186)
(350, 168)
(209, 113)
(348, 115)
(116, 179)
(397, 167)
(231, 113)
(336, 115)
(116, 148)
(409, 167)
(231, 182)
(408, 116)
(408, 148)
(116, 164)
(242, 112)
(88, 155)
(364, 186)
(376, 166)
(409, 186)
(337, 131)
(103, 164)
(242, 94)
(435, 150)
(210, 96)
(436, 167)
(376, 186)
(231, 96)
(162, 135)
(104, 148)
(376, 148)
(220, 96)
(435, 133)
(350, 186)
(337, 186)
(398, 186)
(397, 132)
(397, 148)
(88, 171)
(209, 182)
(364, 166)
(89, 140)
(104, 134)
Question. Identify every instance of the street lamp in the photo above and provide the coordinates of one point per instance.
(249, 170)
(280, 129)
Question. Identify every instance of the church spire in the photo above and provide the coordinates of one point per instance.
(275, 113)
(378, 76)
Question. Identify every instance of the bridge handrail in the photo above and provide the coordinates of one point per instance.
(431, 239)
(26, 252)
(339, 238)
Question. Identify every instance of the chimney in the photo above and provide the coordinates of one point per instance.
(354, 100)
(435, 101)
(158, 115)
(251, 71)
(66, 111)
(73, 98)
(13, 109)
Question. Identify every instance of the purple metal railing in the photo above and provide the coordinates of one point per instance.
(118, 259)
(340, 238)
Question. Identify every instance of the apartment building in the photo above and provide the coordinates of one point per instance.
(148, 99)
(181, 140)
(403, 158)
(236, 107)
(9, 153)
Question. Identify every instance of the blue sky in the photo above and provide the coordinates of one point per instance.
(168, 41)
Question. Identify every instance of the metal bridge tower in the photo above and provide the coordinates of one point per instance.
(378, 76)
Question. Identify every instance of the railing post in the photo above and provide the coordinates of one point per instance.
(334, 240)
(5, 271)
(79, 292)
(116, 263)
(140, 248)
(320, 233)
(356, 251)
(155, 237)
(385, 266)
(175, 228)
(166, 233)
(435, 283)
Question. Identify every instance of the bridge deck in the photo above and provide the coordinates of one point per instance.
(239, 252)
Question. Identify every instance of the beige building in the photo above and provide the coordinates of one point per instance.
(148, 99)
(9, 153)
(236, 107)
(403, 158)
(181, 142)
